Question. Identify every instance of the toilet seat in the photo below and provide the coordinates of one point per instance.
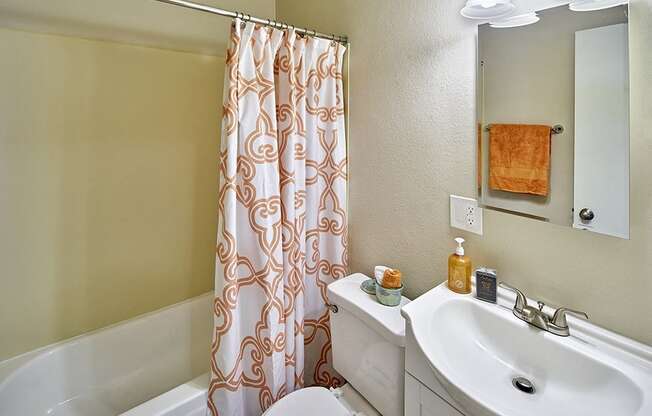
(313, 401)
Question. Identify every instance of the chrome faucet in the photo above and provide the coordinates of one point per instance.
(535, 316)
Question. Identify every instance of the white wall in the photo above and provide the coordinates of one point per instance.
(412, 143)
(602, 129)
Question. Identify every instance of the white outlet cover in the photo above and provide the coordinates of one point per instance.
(465, 214)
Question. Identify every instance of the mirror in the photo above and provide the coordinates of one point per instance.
(553, 119)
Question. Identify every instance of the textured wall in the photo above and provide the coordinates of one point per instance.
(108, 183)
(412, 109)
(143, 22)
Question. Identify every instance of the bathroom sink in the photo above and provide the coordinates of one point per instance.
(477, 350)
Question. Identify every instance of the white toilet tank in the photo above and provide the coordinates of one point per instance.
(368, 344)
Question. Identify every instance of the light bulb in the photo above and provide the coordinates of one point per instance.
(592, 5)
(487, 9)
(515, 21)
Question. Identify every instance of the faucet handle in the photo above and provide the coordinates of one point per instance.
(559, 318)
(521, 300)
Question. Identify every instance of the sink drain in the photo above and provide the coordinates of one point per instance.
(523, 384)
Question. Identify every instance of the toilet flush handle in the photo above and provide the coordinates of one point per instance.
(333, 308)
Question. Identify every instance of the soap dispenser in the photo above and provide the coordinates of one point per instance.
(459, 270)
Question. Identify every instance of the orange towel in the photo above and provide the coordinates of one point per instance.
(519, 158)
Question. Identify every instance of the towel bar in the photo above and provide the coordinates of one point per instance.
(556, 129)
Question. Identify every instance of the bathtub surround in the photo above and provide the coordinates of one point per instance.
(282, 222)
(107, 183)
(412, 89)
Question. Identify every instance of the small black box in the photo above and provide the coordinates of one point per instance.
(485, 285)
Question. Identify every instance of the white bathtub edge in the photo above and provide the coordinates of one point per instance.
(188, 398)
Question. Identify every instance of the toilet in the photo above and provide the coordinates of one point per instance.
(368, 341)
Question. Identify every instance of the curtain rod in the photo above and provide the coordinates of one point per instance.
(250, 18)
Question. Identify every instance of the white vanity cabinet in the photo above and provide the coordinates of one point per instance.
(421, 401)
(424, 395)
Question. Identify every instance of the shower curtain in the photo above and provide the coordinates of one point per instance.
(282, 232)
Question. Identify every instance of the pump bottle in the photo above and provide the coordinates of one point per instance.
(459, 270)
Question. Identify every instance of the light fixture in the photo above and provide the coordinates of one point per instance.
(515, 21)
(591, 5)
(487, 9)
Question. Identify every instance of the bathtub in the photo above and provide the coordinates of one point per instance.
(152, 365)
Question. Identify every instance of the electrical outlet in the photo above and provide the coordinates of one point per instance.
(465, 214)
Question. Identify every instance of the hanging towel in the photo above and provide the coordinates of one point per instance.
(519, 158)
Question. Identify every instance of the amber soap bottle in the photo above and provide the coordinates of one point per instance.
(459, 270)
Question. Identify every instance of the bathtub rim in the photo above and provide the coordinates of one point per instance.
(187, 394)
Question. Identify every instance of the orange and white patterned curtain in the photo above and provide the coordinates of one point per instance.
(282, 233)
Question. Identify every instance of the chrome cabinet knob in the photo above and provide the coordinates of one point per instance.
(586, 214)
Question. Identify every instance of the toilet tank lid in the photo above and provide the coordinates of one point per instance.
(386, 320)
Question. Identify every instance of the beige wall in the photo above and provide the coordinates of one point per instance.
(412, 95)
(529, 78)
(108, 183)
(140, 22)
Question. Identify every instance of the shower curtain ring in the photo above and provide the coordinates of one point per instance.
(241, 17)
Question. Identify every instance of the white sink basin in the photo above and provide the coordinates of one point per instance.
(476, 349)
